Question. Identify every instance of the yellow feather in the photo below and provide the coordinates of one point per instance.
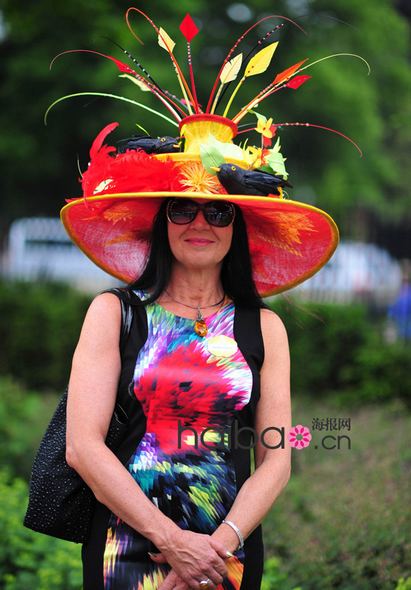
(260, 61)
(231, 69)
(165, 41)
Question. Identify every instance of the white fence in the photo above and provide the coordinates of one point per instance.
(356, 272)
(39, 249)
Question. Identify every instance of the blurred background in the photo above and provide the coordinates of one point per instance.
(344, 520)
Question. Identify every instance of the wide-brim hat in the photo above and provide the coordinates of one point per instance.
(123, 188)
(288, 240)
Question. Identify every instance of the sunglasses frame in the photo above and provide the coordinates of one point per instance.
(200, 207)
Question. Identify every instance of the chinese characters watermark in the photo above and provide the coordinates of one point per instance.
(246, 437)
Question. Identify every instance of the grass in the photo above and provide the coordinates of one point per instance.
(343, 520)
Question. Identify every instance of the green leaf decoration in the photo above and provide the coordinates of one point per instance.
(211, 156)
(228, 150)
(276, 160)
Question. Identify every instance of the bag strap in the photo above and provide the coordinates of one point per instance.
(127, 314)
(128, 413)
(133, 334)
(247, 331)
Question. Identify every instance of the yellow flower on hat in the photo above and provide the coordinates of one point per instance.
(264, 127)
(195, 178)
(254, 156)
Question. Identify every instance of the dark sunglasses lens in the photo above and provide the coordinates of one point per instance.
(182, 211)
(219, 213)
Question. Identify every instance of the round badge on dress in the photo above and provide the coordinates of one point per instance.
(221, 346)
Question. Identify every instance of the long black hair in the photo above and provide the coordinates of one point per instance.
(236, 272)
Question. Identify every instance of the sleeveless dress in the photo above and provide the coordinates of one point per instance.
(188, 447)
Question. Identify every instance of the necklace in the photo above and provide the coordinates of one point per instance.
(200, 326)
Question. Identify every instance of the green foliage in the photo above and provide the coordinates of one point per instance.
(41, 325)
(379, 372)
(23, 419)
(403, 584)
(274, 578)
(340, 348)
(324, 338)
(28, 559)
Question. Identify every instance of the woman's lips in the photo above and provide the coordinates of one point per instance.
(198, 241)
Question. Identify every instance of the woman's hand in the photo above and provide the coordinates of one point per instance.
(193, 557)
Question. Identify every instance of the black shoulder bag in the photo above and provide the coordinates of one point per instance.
(60, 502)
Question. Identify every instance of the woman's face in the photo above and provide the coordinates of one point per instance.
(199, 244)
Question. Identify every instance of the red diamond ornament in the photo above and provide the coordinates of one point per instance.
(189, 28)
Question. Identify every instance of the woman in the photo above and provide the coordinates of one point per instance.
(197, 250)
(201, 230)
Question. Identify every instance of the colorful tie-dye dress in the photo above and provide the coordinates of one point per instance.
(191, 453)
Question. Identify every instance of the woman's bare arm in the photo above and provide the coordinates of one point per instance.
(92, 393)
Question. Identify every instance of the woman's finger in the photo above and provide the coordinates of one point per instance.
(174, 582)
(169, 583)
(220, 549)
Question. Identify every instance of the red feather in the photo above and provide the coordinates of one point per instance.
(98, 142)
(297, 82)
(288, 72)
(189, 28)
(132, 171)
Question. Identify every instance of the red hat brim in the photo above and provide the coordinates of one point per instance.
(289, 241)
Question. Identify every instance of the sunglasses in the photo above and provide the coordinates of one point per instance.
(216, 213)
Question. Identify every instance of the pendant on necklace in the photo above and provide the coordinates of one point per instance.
(222, 346)
(200, 327)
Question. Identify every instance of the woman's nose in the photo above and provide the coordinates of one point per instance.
(199, 220)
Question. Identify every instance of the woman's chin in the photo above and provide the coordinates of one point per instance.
(199, 261)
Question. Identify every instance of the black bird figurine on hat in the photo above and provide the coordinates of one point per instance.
(150, 145)
(239, 181)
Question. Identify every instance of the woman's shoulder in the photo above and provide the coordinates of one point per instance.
(267, 315)
(106, 305)
(272, 327)
(100, 331)
(104, 311)
(125, 293)
(104, 301)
